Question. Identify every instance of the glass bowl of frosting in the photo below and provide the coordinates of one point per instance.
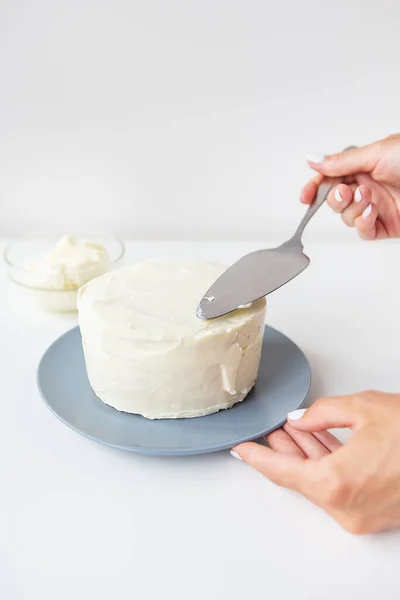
(52, 267)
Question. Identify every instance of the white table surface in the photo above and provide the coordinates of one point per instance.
(82, 521)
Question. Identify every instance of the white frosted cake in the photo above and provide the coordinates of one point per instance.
(148, 353)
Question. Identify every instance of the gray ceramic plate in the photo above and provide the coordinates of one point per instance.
(282, 385)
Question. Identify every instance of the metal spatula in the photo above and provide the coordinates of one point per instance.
(259, 273)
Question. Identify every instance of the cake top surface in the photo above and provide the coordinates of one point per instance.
(157, 300)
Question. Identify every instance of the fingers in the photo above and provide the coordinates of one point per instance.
(356, 207)
(328, 440)
(358, 160)
(307, 442)
(309, 191)
(285, 470)
(301, 443)
(366, 224)
(340, 197)
(327, 413)
(281, 441)
(360, 202)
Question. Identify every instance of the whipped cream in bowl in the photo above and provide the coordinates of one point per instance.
(52, 267)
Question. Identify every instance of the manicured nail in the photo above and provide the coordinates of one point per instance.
(235, 455)
(357, 195)
(338, 196)
(367, 211)
(296, 414)
(316, 158)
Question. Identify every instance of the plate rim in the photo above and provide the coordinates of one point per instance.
(151, 451)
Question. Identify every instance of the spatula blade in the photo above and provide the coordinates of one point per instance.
(255, 275)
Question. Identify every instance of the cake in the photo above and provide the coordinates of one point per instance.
(147, 352)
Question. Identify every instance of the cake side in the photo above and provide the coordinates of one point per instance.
(147, 353)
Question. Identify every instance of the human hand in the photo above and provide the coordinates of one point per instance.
(369, 199)
(357, 483)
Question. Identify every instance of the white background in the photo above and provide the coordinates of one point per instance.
(185, 119)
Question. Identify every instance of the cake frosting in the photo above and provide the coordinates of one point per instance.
(71, 263)
(147, 352)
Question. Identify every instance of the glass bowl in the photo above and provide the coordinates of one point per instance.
(21, 253)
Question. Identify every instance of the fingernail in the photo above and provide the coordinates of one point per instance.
(338, 196)
(296, 414)
(235, 454)
(367, 211)
(357, 195)
(316, 158)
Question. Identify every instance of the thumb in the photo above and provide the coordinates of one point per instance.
(355, 160)
(326, 413)
(285, 470)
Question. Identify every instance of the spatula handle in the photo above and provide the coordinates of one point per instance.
(324, 188)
